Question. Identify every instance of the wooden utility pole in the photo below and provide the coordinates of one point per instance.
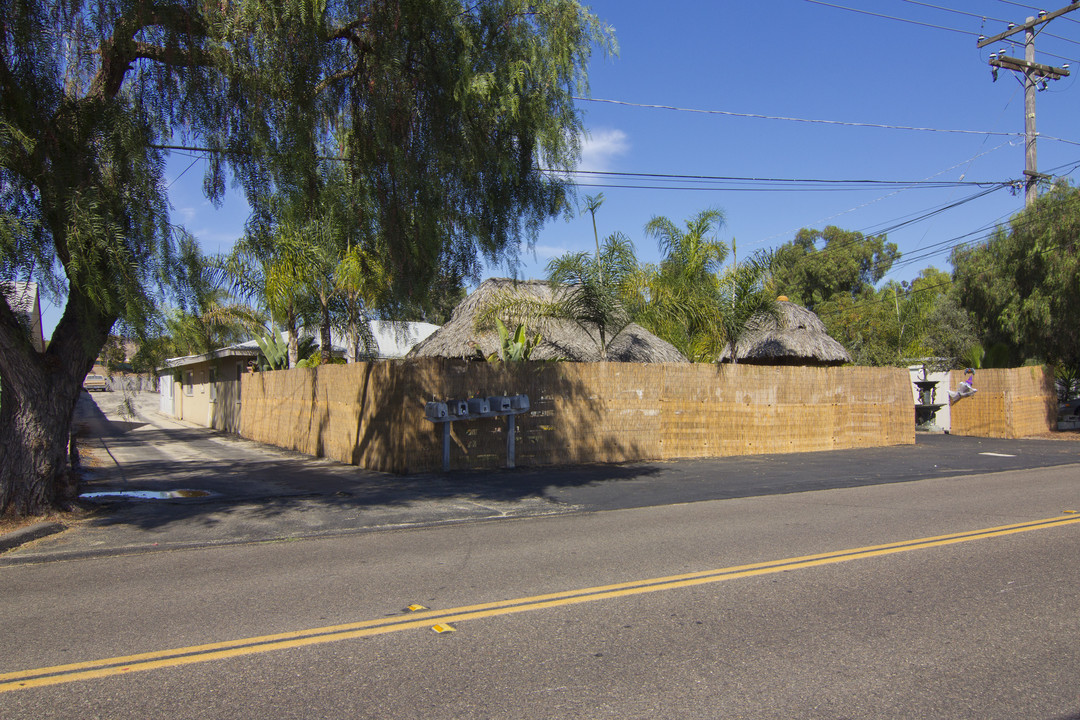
(1035, 77)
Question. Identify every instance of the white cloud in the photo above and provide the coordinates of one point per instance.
(599, 148)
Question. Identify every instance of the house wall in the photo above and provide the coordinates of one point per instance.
(1010, 403)
(215, 403)
(372, 414)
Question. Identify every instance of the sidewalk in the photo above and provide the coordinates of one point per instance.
(253, 493)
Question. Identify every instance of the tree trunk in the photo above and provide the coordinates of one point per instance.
(325, 338)
(38, 393)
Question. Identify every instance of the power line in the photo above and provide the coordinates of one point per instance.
(758, 116)
(891, 17)
(988, 17)
(591, 174)
(968, 162)
(1031, 7)
(924, 24)
(953, 10)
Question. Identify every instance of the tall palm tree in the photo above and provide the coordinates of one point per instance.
(696, 254)
(362, 279)
(678, 298)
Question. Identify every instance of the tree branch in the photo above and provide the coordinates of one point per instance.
(121, 50)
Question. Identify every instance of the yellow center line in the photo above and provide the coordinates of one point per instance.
(176, 657)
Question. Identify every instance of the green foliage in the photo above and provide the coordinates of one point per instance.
(679, 300)
(441, 117)
(950, 332)
(902, 322)
(114, 354)
(744, 292)
(514, 348)
(209, 318)
(598, 287)
(274, 349)
(315, 360)
(848, 262)
(1023, 284)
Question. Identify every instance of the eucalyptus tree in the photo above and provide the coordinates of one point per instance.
(819, 264)
(454, 110)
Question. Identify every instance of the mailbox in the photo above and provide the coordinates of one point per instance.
(499, 404)
(519, 403)
(479, 406)
(458, 408)
(435, 411)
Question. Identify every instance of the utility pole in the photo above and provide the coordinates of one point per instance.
(1035, 77)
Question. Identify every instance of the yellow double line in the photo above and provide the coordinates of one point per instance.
(176, 657)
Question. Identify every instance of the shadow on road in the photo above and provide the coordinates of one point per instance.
(152, 453)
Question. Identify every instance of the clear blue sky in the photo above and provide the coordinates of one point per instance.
(811, 62)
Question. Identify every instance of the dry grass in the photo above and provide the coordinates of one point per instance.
(10, 523)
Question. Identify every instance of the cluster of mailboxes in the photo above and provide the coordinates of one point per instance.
(476, 408)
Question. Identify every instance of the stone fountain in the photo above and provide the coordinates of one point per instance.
(927, 407)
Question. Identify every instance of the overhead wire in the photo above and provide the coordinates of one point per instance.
(919, 22)
(759, 116)
(892, 17)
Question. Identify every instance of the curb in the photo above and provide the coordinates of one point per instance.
(31, 532)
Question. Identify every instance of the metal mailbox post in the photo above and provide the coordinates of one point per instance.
(472, 409)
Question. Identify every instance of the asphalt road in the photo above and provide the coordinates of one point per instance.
(858, 585)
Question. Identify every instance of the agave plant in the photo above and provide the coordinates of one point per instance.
(274, 349)
(514, 348)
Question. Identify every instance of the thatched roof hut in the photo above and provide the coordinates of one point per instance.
(561, 339)
(796, 337)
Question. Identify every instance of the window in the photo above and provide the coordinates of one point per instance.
(189, 383)
(212, 381)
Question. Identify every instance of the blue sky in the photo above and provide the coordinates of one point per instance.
(809, 61)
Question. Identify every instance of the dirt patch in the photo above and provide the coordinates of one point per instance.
(11, 523)
(1058, 435)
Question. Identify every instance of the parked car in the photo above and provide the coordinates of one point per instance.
(95, 382)
(1069, 409)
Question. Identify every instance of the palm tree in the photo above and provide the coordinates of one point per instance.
(596, 287)
(678, 299)
(589, 290)
(592, 204)
(208, 317)
(694, 253)
(745, 292)
(270, 272)
(362, 279)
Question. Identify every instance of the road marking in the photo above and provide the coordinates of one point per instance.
(107, 667)
(990, 454)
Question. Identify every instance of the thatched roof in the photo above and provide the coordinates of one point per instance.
(796, 337)
(562, 339)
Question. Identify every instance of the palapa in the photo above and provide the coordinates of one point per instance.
(560, 339)
(796, 336)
